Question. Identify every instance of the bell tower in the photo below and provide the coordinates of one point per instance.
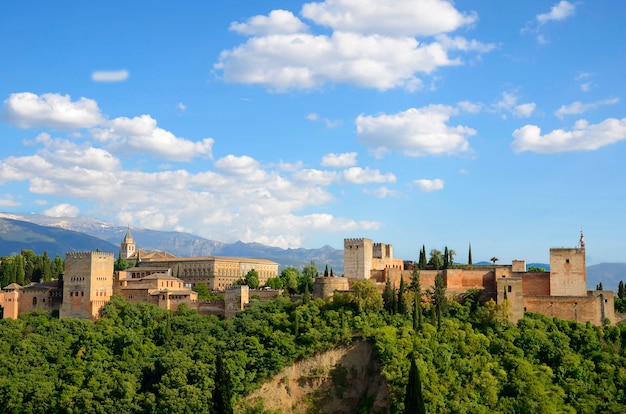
(127, 247)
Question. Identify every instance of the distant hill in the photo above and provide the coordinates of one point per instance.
(177, 243)
(609, 274)
(17, 235)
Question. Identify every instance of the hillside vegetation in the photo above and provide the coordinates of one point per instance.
(139, 359)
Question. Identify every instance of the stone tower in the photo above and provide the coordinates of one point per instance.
(357, 258)
(87, 284)
(127, 247)
(568, 271)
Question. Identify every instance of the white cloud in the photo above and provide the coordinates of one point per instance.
(508, 103)
(583, 137)
(317, 177)
(559, 11)
(461, 43)
(109, 75)
(312, 116)
(8, 201)
(232, 164)
(303, 61)
(358, 175)
(577, 108)
(372, 45)
(388, 17)
(381, 192)
(414, 132)
(232, 198)
(346, 159)
(181, 107)
(141, 134)
(27, 110)
(62, 210)
(278, 22)
(524, 110)
(429, 185)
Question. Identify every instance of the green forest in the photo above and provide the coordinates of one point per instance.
(141, 359)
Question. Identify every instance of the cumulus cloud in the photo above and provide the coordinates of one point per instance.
(429, 185)
(141, 134)
(577, 108)
(278, 22)
(414, 132)
(109, 75)
(233, 198)
(303, 61)
(27, 110)
(372, 44)
(583, 137)
(62, 210)
(388, 17)
(560, 11)
(347, 159)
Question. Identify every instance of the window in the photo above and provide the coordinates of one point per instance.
(510, 289)
(566, 260)
(34, 300)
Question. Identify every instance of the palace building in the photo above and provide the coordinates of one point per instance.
(159, 278)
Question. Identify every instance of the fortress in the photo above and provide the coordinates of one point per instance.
(561, 292)
(89, 281)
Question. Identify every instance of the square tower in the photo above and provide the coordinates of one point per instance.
(568, 272)
(87, 284)
(357, 258)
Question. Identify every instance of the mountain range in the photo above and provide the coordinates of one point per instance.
(59, 235)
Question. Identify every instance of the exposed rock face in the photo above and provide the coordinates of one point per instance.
(344, 380)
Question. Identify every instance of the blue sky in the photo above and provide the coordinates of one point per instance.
(297, 124)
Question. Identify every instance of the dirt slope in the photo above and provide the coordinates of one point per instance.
(344, 380)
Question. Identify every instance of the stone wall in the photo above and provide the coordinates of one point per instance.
(594, 307)
(536, 284)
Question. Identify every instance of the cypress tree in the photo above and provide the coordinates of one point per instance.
(414, 398)
(222, 394)
(439, 298)
(469, 255)
(326, 271)
(387, 297)
(401, 303)
(416, 287)
(620, 290)
(306, 297)
(446, 258)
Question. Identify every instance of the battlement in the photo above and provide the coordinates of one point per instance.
(79, 255)
(355, 242)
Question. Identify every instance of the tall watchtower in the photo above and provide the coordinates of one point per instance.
(568, 271)
(87, 284)
(127, 247)
(357, 258)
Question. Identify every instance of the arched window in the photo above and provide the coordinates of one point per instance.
(34, 300)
